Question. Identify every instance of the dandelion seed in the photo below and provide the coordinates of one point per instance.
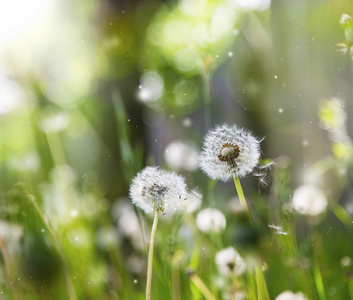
(229, 262)
(229, 152)
(309, 200)
(275, 227)
(210, 220)
(154, 189)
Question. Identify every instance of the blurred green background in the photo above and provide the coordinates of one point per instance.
(93, 91)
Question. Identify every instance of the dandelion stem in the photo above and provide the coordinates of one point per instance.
(262, 292)
(241, 196)
(150, 256)
(206, 76)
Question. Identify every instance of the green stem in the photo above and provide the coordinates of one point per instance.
(242, 197)
(69, 284)
(262, 292)
(207, 95)
(202, 287)
(150, 256)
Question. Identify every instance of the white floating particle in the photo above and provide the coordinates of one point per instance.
(74, 213)
(135, 281)
(275, 77)
(280, 110)
(305, 143)
(230, 53)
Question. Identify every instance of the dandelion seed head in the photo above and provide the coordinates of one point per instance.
(154, 189)
(210, 220)
(345, 19)
(309, 200)
(229, 152)
(180, 155)
(289, 295)
(229, 262)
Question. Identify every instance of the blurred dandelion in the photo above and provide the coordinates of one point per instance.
(180, 155)
(230, 262)
(309, 200)
(289, 295)
(211, 220)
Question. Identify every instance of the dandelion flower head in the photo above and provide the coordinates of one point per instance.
(155, 189)
(210, 220)
(229, 152)
(230, 262)
(309, 200)
(289, 295)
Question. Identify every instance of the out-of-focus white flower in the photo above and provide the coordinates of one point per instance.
(258, 5)
(180, 155)
(29, 162)
(135, 264)
(309, 200)
(234, 206)
(345, 18)
(107, 238)
(333, 119)
(230, 262)
(229, 152)
(154, 189)
(151, 87)
(192, 201)
(128, 223)
(54, 122)
(11, 234)
(210, 220)
(289, 295)
(11, 94)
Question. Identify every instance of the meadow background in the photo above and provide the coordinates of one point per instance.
(93, 91)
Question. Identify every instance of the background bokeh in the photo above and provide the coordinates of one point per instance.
(93, 91)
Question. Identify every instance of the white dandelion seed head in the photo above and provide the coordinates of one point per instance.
(211, 220)
(180, 155)
(289, 295)
(155, 189)
(229, 262)
(229, 152)
(192, 201)
(309, 200)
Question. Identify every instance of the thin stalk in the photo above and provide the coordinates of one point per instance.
(150, 256)
(207, 87)
(242, 197)
(202, 287)
(262, 292)
(70, 287)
